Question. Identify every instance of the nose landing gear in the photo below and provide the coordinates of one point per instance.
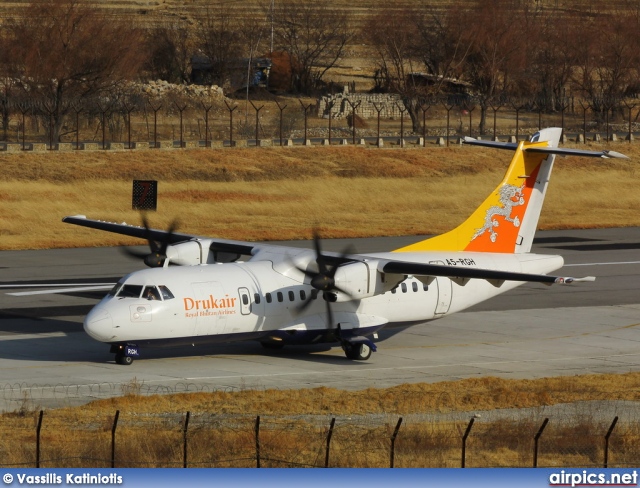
(125, 353)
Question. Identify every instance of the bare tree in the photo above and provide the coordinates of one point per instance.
(550, 59)
(314, 36)
(170, 46)
(441, 43)
(496, 41)
(607, 58)
(392, 33)
(67, 51)
(219, 41)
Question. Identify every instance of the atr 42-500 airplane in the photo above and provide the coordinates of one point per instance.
(285, 296)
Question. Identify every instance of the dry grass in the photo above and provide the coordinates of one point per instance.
(222, 427)
(282, 193)
(464, 395)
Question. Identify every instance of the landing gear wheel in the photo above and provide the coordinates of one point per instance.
(359, 352)
(122, 359)
(272, 345)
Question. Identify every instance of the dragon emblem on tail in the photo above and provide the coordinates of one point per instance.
(510, 196)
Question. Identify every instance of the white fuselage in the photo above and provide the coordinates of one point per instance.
(259, 299)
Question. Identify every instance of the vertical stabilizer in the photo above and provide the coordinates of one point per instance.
(507, 220)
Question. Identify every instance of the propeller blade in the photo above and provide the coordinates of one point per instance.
(158, 255)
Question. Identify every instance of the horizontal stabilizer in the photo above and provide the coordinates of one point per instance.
(512, 146)
(562, 151)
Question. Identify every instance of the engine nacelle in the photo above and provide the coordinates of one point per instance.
(357, 279)
(188, 253)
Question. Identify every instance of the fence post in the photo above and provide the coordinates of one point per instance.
(464, 442)
(230, 122)
(281, 110)
(584, 121)
(257, 431)
(402, 111)
(606, 442)
(495, 109)
(329, 435)
(184, 438)
(38, 429)
(378, 133)
(424, 123)
(354, 106)
(155, 123)
(206, 108)
(393, 442)
(470, 108)
(630, 107)
(305, 108)
(535, 442)
(257, 118)
(448, 109)
(78, 110)
(113, 439)
(330, 117)
(181, 109)
(24, 108)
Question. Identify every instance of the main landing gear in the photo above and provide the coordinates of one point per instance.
(359, 352)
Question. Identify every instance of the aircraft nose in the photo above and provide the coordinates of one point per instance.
(99, 324)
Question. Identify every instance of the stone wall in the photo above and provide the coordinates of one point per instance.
(340, 105)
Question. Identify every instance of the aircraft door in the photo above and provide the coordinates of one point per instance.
(445, 291)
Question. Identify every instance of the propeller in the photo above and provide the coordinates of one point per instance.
(158, 254)
(324, 279)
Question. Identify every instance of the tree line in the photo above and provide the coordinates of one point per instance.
(59, 55)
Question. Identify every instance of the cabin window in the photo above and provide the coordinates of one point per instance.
(303, 295)
(394, 289)
(245, 299)
(280, 296)
(256, 298)
(425, 287)
(268, 297)
(404, 287)
(165, 292)
(151, 293)
(414, 286)
(292, 296)
(130, 291)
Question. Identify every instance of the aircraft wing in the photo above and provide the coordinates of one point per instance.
(219, 245)
(495, 276)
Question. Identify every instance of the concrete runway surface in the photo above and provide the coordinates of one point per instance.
(534, 331)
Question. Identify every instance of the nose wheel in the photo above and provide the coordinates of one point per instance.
(124, 360)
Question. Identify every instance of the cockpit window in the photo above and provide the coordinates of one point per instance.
(166, 293)
(150, 293)
(130, 291)
(114, 290)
